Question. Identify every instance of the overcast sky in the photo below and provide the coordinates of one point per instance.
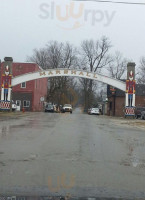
(30, 24)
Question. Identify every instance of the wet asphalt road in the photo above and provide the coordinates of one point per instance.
(71, 154)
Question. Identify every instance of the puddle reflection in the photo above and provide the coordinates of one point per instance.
(7, 130)
(4, 132)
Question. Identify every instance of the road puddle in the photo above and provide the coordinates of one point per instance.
(8, 129)
(4, 132)
(135, 162)
(138, 158)
(136, 155)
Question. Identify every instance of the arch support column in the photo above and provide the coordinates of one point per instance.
(130, 90)
(6, 84)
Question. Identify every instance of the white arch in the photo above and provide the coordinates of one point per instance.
(68, 72)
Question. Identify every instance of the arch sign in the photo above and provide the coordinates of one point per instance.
(8, 82)
(68, 72)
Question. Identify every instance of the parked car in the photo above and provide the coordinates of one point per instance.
(89, 110)
(55, 107)
(61, 108)
(67, 108)
(143, 115)
(138, 111)
(49, 108)
(94, 111)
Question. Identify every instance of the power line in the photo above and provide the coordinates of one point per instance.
(116, 2)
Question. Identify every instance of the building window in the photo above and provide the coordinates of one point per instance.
(23, 85)
(21, 198)
(11, 198)
(26, 103)
(18, 102)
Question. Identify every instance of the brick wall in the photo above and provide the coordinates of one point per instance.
(34, 90)
(119, 108)
(40, 91)
(120, 104)
(23, 96)
(140, 101)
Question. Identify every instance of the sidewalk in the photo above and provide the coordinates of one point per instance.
(11, 115)
(137, 123)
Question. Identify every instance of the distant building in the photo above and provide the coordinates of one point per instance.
(28, 95)
(116, 102)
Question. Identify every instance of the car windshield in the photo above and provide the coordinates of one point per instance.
(49, 106)
(67, 105)
(72, 99)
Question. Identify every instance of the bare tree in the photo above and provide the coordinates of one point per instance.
(118, 66)
(60, 55)
(54, 51)
(92, 56)
(39, 57)
(69, 56)
(141, 72)
(95, 53)
(56, 55)
(95, 57)
(88, 94)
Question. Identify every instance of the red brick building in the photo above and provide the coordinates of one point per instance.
(28, 94)
(116, 102)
